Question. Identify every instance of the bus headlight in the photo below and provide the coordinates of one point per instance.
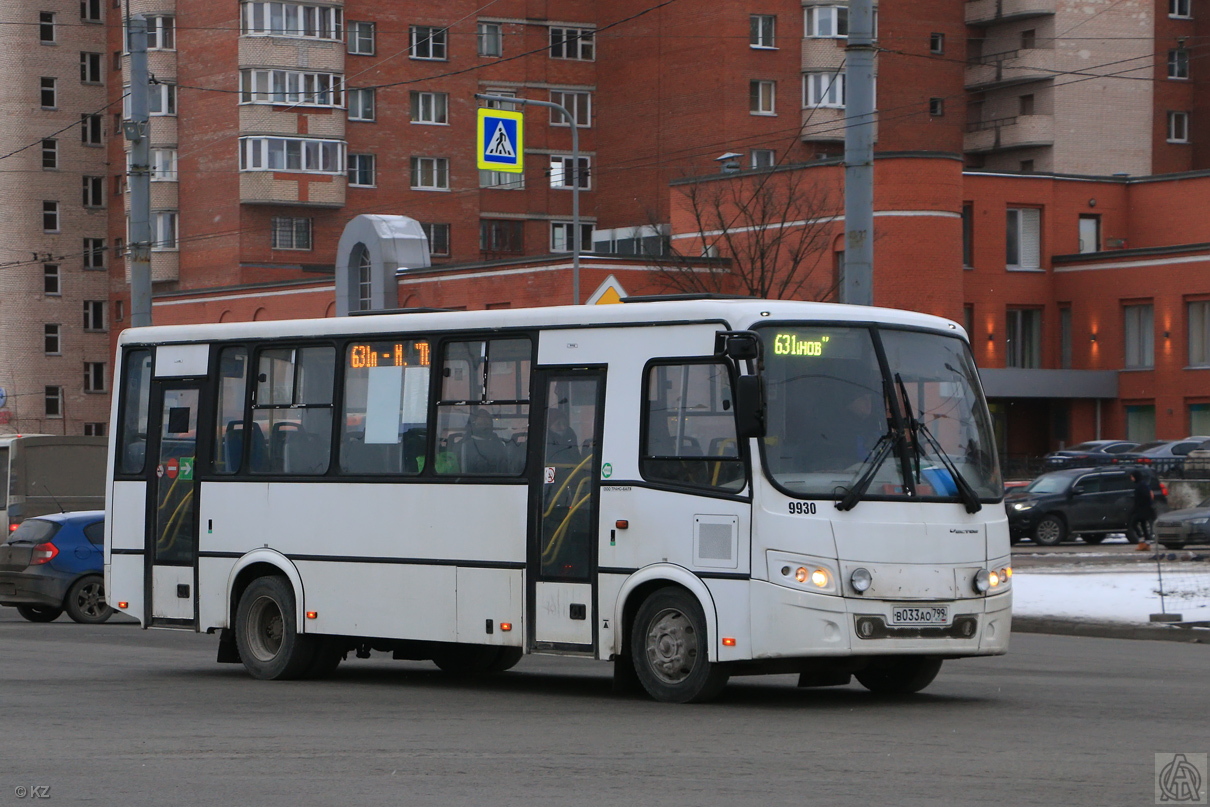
(982, 581)
(861, 580)
(803, 573)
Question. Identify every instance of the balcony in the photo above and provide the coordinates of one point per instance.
(295, 189)
(827, 125)
(991, 12)
(1003, 134)
(1010, 67)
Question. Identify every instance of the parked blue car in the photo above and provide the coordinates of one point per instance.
(55, 563)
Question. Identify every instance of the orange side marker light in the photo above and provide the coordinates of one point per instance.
(728, 641)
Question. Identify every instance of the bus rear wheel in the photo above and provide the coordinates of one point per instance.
(267, 634)
(901, 675)
(668, 643)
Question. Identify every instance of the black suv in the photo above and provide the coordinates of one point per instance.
(1087, 502)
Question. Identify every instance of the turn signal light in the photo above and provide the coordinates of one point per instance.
(728, 641)
(312, 614)
(820, 578)
(1008, 572)
(123, 604)
(43, 553)
(506, 626)
(622, 524)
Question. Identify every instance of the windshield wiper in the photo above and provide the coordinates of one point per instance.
(918, 429)
(882, 450)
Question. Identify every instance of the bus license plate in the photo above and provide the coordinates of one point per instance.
(915, 615)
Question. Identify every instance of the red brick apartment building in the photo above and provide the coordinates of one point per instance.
(277, 124)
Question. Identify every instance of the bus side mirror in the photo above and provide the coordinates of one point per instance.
(749, 406)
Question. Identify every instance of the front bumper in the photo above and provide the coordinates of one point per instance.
(34, 587)
(1021, 522)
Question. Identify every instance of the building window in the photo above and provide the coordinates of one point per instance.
(1026, 166)
(1199, 334)
(290, 233)
(501, 236)
(1139, 336)
(163, 165)
(1199, 418)
(430, 107)
(1023, 242)
(365, 280)
(489, 38)
(1178, 63)
(94, 429)
(968, 235)
(94, 253)
(94, 315)
(1065, 338)
(429, 42)
(579, 104)
(823, 90)
(161, 100)
(936, 107)
(50, 154)
(1090, 234)
(161, 33)
(430, 173)
(94, 192)
(1178, 127)
(361, 38)
(54, 402)
(46, 27)
(90, 130)
(827, 21)
(292, 87)
(1025, 105)
(361, 170)
(563, 172)
(562, 234)
(94, 376)
(572, 43)
(1023, 338)
(1180, 8)
(294, 154)
(762, 30)
(1140, 423)
(936, 43)
(439, 239)
(50, 217)
(503, 180)
(119, 311)
(52, 344)
(90, 10)
(164, 230)
(361, 104)
(291, 19)
(500, 104)
(762, 158)
(90, 68)
(51, 279)
(762, 97)
(50, 92)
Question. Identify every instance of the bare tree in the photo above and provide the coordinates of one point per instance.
(775, 228)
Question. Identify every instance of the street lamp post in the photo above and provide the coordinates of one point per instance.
(575, 180)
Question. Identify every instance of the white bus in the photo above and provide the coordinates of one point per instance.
(693, 489)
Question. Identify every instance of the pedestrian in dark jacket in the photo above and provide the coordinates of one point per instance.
(1144, 506)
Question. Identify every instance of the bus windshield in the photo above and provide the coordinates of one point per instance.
(837, 419)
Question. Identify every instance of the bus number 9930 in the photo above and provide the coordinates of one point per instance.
(802, 508)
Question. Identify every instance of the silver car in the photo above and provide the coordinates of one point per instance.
(1180, 528)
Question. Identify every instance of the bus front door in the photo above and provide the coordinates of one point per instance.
(564, 500)
(172, 513)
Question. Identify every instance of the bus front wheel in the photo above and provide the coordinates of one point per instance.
(901, 675)
(669, 646)
(267, 634)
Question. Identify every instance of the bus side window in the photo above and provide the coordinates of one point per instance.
(483, 412)
(136, 400)
(230, 433)
(293, 409)
(689, 428)
(386, 397)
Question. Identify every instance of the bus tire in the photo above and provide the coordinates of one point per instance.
(85, 601)
(899, 675)
(269, 643)
(39, 613)
(669, 646)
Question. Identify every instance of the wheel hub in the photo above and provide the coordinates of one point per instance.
(266, 629)
(671, 646)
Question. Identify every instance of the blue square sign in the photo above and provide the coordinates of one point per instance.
(500, 140)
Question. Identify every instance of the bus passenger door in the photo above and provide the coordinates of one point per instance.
(172, 512)
(564, 493)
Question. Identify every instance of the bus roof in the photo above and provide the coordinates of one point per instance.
(736, 313)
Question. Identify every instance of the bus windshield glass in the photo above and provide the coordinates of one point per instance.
(837, 419)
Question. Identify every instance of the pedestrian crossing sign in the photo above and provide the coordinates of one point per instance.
(500, 140)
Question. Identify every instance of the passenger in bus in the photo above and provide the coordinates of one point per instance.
(481, 450)
(562, 447)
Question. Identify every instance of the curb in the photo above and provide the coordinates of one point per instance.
(1108, 630)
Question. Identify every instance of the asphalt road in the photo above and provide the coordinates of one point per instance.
(114, 715)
